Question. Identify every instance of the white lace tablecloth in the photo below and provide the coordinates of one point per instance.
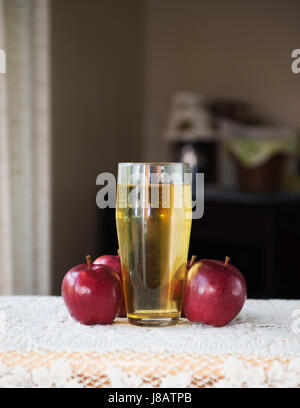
(41, 346)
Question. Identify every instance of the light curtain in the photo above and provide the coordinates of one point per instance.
(25, 187)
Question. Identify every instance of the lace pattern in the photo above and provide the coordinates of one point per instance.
(41, 346)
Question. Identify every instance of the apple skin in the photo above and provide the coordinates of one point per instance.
(215, 293)
(111, 260)
(115, 263)
(92, 293)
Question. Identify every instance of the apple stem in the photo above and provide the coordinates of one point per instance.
(193, 259)
(227, 259)
(89, 261)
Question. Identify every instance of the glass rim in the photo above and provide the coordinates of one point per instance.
(153, 173)
(160, 164)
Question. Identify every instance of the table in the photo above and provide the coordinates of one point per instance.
(41, 346)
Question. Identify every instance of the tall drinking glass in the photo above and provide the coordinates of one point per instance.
(153, 217)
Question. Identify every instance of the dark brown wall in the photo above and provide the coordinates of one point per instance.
(238, 49)
(96, 102)
(113, 58)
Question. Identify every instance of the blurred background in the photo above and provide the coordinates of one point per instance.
(91, 83)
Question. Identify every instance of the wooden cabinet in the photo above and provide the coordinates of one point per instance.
(260, 233)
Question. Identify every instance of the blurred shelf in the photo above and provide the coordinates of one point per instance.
(215, 194)
(259, 232)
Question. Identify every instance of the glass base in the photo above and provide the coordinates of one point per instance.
(159, 322)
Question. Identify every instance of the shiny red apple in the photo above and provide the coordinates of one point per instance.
(215, 292)
(114, 262)
(92, 293)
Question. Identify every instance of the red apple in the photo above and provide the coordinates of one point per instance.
(92, 293)
(215, 292)
(114, 262)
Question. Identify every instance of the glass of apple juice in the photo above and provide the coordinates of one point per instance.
(153, 217)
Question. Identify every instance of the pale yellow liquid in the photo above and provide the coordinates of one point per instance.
(153, 245)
